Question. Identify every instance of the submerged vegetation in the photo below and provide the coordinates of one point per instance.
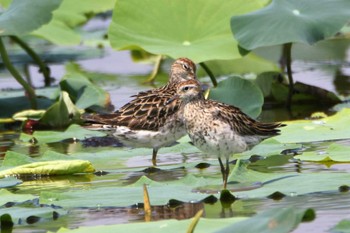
(52, 168)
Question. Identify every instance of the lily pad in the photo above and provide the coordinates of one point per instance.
(240, 93)
(73, 131)
(160, 194)
(204, 225)
(7, 196)
(9, 182)
(30, 215)
(342, 227)
(195, 189)
(335, 152)
(181, 29)
(289, 184)
(312, 20)
(268, 147)
(25, 16)
(64, 167)
(329, 128)
(273, 220)
(259, 223)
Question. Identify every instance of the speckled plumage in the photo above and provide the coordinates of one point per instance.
(219, 129)
(147, 120)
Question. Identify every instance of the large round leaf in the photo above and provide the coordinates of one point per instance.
(25, 16)
(198, 29)
(70, 14)
(286, 21)
(240, 93)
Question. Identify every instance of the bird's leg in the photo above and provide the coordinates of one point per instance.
(227, 171)
(154, 157)
(223, 172)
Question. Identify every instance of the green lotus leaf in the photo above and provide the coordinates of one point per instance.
(342, 227)
(251, 63)
(9, 182)
(7, 196)
(73, 131)
(70, 14)
(258, 223)
(30, 214)
(180, 29)
(247, 183)
(25, 16)
(64, 167)
(61, 113)
(204, 225)
(240, 93)
(81, 90)
(334, 152)
(285, 21)
(268, 147)
(272, 221)
(329, 128)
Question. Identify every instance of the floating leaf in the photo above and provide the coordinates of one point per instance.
(268, 147)
(312, 20)
(241, 93)
(73, 131)
(181, 29)
(7, 196)
(25, 16)
(64, 167)
(335, 152)
(30, 215)
(204, 225)
(329, 128)
(9, 182)
(274, 220)
(342, 227)
(286, 183)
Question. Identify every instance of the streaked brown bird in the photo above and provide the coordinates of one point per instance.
(147, 120)
(217, 128)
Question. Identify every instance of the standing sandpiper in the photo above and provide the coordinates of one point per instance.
(147, 120)
(219, 129)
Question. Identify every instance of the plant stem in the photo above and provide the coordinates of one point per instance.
(288, 59)
(29, 90)
(155, 70)
(43, 67)
(211, 75)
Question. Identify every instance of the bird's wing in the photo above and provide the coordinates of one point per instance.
(148, 111)
(242, 123)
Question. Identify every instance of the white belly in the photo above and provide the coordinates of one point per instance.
(149, 139)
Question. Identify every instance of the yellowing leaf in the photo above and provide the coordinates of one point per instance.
(61, 167)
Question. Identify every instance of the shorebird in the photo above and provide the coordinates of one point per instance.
(147, 120)
(217, 128)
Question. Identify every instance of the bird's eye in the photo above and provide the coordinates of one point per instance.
(185, 66)
(185, 88)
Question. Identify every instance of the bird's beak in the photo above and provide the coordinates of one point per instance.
(175, 97)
